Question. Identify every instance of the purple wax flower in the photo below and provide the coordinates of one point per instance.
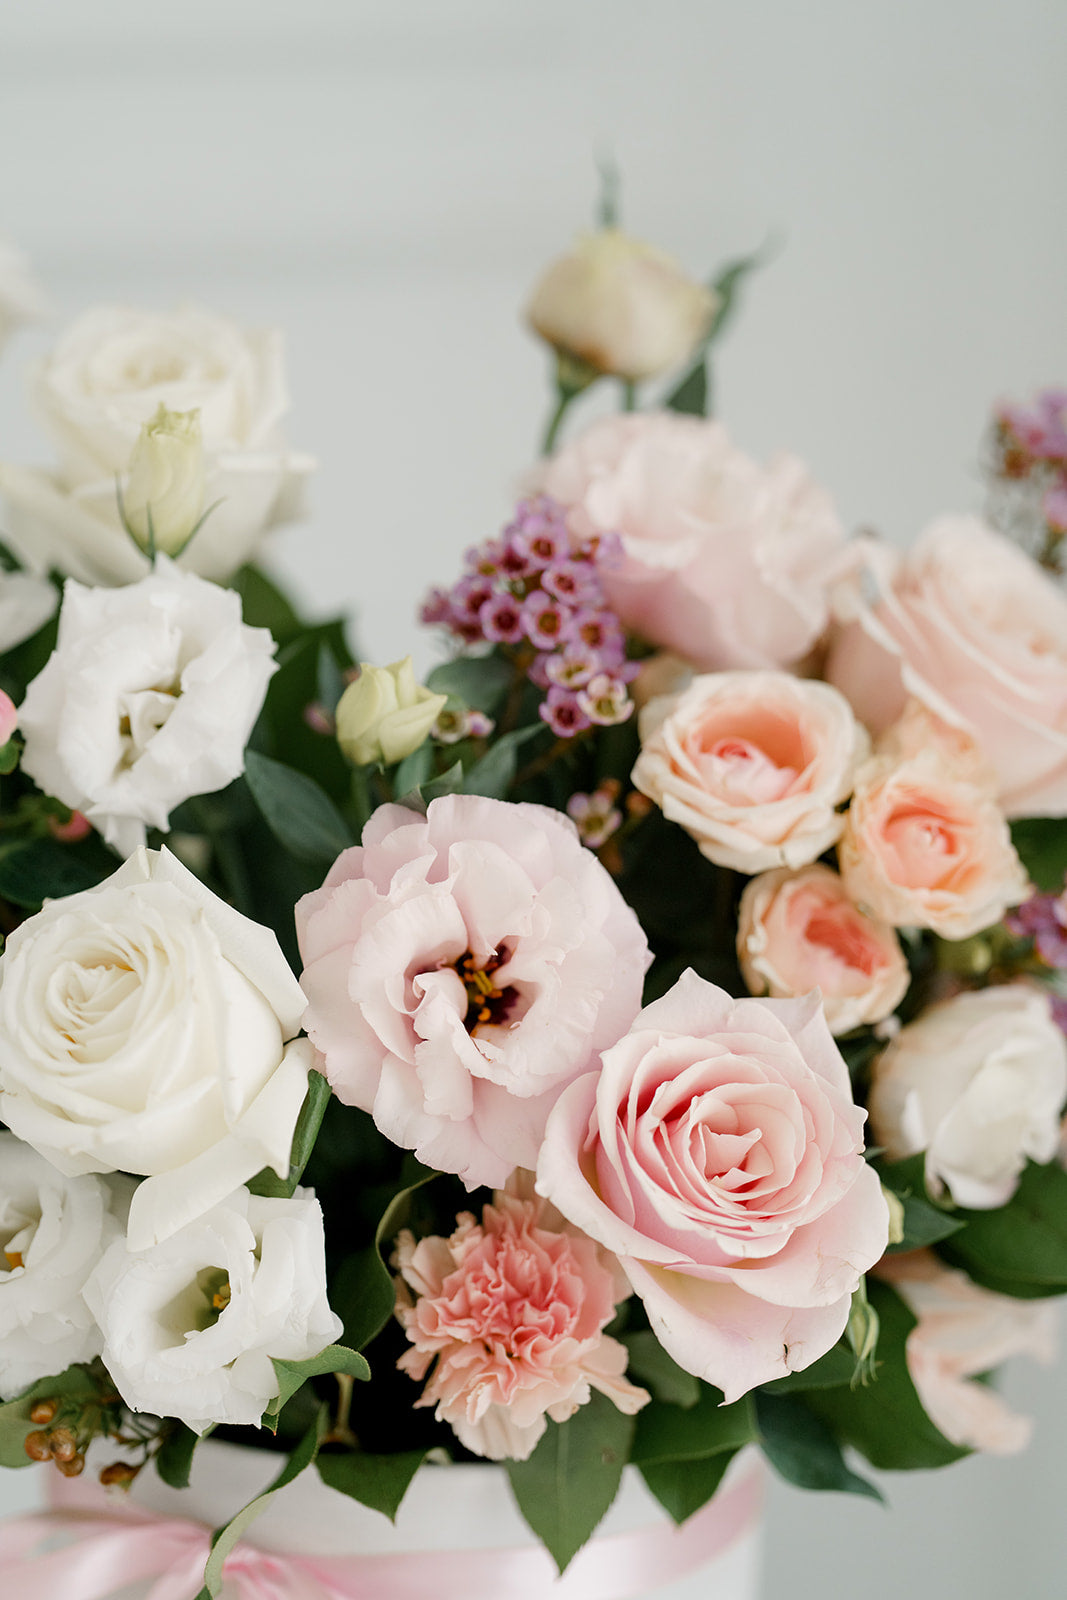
(502, 618)
(605, 700)
(560, 709)
(436, 608)
(573, 667)
(469, 596)
(576, 583)
(1042, 918)
(545, 622)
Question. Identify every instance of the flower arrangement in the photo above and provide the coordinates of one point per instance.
(643, 1039)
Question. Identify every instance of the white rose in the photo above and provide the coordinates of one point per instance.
(385, 714)
(149, 698)
(979, 1083)
(20, 298)
(26, 603)
(143, 1028)
(53, 1231)
(621, 306)
(106, 378)
(190, 1326)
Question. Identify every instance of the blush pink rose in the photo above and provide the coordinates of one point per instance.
(925, 844)
(964, 1331)
(719, 1155)
(510, 1312)
(799, 931)
(968, 624)
(460, 968)
(753, 765)
(725, 562)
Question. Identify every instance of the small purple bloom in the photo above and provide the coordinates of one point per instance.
(605, 700)
(573, 667)
(598, 630)
(574, 582)
(436, 608)
(537, 672)
(560, 709)
(596, 815)
(469, 596)
(545, 622)
(502, 618)
(607, 551)
(1042, 918)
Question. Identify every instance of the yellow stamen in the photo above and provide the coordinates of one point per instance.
(13, 1259)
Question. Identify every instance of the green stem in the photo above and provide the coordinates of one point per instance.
(629, 394)
(541, 763)
(548, 444)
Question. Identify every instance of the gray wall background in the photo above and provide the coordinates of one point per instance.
(384, 181)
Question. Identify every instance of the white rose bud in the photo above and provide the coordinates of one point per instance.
(621, 307)
(191, 1326)
(53, 1231)
(386, 714)
(164, 497)
(979, 1083)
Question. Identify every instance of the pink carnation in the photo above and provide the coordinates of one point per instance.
(719, 1154)
(460, 969)
(510, 1313)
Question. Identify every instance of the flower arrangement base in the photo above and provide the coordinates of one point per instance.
(458, 1536)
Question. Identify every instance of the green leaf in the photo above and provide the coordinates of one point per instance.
(885, 1419)
(691, 396)
(226, 1537)
(494, 774)
(174, 1458)
(9, 757)
(45, 869)
(263, 605)
(802, 1449)
(76, 1383)
(378, 1481)
(573, 1475)
(364, 1294)
(1042, 846)
(682, 1487)
(834, 1370)
(651, 1365)
(1020, 1248)
(414, 770)
(481, 682)
(925, 1222)
(267, 1182)
(691, 1433)
(301, 816)
(450, 782)
(292, 1375)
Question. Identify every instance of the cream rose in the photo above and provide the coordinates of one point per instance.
(148, 698)
(967, 623)
(964, 1332)
(147, 1027)
(105, 379)
(725, 562)
(799, 931)
(621, 306)
(191, 1326)
(53, 1231)
(753, 765)
(978, 1083)
(925, 844)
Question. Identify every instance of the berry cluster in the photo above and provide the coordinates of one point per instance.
(537, 592)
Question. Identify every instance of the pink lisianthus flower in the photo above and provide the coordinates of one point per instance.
(460, 969)
(718, 1153)
(510, 1313)
(9, 717)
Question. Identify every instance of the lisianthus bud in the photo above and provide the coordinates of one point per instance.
(386, 714)
(164, 497)
(620, 306)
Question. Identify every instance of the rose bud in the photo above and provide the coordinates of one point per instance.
(385, 714)
(164, 498)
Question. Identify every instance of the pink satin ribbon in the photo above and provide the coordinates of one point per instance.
(91, 1547)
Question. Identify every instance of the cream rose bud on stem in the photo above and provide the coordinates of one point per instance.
(147, 700)
(191, 1326)
(147, 1027)
(163, 502)
(753, 765)
(718, 1153)
(385, 714)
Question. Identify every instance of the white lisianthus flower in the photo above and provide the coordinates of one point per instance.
(107, 377)
(977, 1082)
(21, 300)
(149, 697)
(53, 1231)
(386, 714)
(26, 603)
(190, 1327)
(147, 1027)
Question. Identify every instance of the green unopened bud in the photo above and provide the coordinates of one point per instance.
(386, 714)
(163, 502)
(862, 1331)
(896, 1215)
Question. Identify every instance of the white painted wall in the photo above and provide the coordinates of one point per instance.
(384, 181)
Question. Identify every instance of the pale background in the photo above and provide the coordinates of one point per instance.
(384, 180)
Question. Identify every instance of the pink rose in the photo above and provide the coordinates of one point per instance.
(800, 931)
(460, 968)
(925, 845)
(510, 1313)
(753, 765)
(965, 1331)
(719, 1155)
(970, 625)
(726, 562)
